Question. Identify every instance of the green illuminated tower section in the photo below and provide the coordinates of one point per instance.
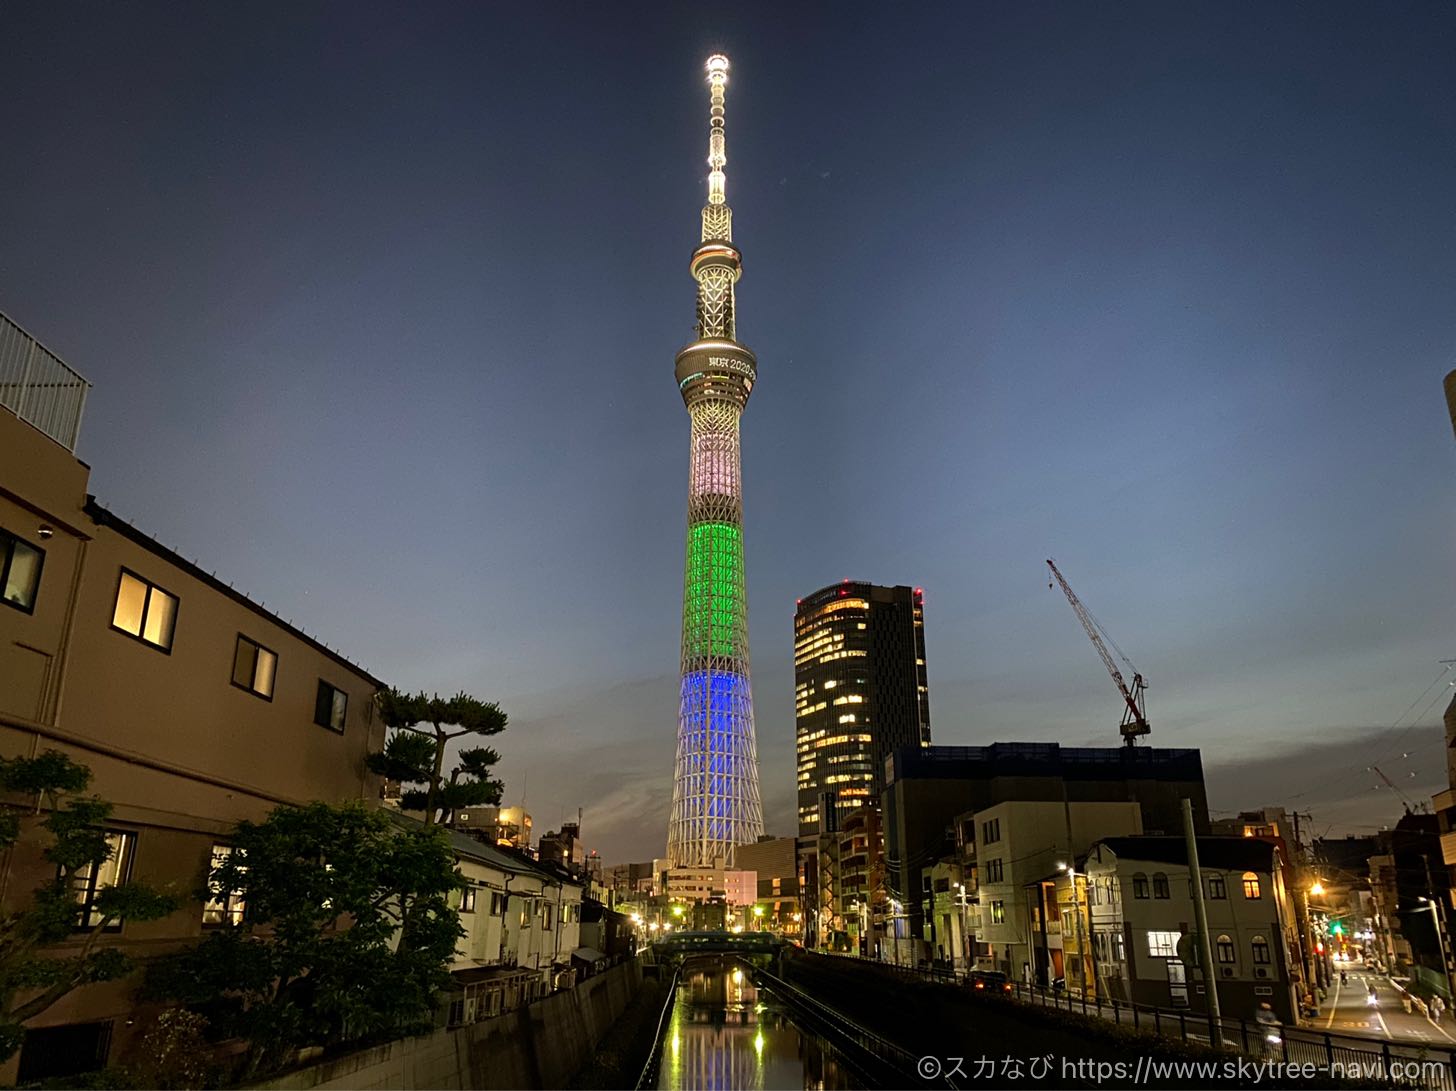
(715, 799)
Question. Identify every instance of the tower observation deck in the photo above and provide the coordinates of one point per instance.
(715, 797)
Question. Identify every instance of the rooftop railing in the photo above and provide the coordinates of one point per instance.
(39, 387)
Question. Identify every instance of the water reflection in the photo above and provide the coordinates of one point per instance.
(726, 1035)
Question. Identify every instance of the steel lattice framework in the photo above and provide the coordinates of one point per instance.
(715, 799)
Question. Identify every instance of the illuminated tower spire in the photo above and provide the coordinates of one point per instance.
(715, 800)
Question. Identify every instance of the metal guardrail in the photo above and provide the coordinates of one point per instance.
(39, 387)
(653, 1065)
(1411, 1064)
(850, 1037)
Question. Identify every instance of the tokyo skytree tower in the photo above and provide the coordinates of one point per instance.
(715, 800)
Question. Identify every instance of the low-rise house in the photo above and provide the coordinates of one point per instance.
(1140, 909)
(522, 922)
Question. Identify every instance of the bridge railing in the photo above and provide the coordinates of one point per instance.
(650, 1069)
(849, 1036)
(1405, 1063)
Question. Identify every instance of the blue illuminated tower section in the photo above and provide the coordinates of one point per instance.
(715, 800)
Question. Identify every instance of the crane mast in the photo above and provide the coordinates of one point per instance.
(1134, 719)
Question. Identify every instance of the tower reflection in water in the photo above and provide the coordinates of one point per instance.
(726, 1035)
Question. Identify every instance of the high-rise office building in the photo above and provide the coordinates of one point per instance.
(715, 800)
(859, 693)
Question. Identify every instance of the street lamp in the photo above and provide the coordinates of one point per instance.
(758, 918)
(1438, 919)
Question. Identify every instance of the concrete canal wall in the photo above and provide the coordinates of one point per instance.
(538, 1046)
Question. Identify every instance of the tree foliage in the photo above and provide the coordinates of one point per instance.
(31, 980)
(414, 754)
(346, 933)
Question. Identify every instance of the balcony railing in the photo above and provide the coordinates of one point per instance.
(39, 387)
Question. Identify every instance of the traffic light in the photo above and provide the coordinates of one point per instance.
(1337, 929)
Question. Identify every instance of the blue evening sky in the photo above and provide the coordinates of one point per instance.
(380, 302)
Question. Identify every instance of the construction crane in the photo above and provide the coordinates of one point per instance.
(1134, 719)
(1404, 800)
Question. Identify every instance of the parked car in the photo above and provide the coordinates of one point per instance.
(991, 981)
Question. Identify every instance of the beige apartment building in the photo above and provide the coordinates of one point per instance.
(193, 706)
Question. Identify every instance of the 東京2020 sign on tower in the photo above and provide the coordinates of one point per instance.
(715, 801)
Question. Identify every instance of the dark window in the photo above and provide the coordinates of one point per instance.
(1140, 885)
(58, 1052)
(254, 667)
(20, 565)
(1160, 885)
(1224, 949)
(497, 904)
(467, 900)
(145, 611)
(92, 879)
(994, 870)
(1216, 888)
(1261, 951)
(221, 909)
(331, 706)
(991, 831)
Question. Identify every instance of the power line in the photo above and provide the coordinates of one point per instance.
(1376, 753)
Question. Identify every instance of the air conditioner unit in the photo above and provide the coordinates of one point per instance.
(1260, 971)
(1228, 971)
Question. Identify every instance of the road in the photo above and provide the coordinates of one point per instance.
(1347, 1010)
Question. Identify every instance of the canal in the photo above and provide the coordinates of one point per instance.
(725, 1034)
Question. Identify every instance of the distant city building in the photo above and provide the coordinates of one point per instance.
(193, 706)
(1443, 803)
(1410, 889)
(563, 847)
(853, 907)
(715, 796)
(927, 787)
(690, 885)
(860, 693)
(775, 862)
(510, 826)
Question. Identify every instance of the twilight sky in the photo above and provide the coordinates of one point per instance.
(381, 301)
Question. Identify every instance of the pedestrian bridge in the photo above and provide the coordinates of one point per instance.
(743, 944)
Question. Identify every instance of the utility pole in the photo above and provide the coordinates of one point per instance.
(1205, 941)
(1076, 901)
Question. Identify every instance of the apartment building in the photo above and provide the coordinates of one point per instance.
(1014, 849)
(193, 706)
